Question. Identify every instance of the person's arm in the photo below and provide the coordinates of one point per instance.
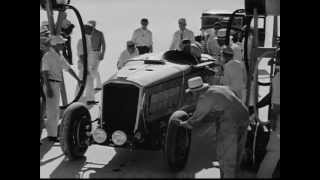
(66, 66)
(225, 80)
(192, 37)
(49, 90)
(173, 42)
(120, 61)
(45, 76)
(134, 36)
(73, 74)
(103, 46)
(203, 108)
(151, 42)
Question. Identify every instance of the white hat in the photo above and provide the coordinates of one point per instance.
(222, 33)
(57, 40)
(196, 84)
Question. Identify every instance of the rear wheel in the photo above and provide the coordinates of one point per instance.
(75, 131)
(177, 143)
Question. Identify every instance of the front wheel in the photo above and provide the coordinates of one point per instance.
(177, 142)
(75, 131)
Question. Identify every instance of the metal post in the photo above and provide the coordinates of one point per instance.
(50, 17)
(62, 84)
(254, 59)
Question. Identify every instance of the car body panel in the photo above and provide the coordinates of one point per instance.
(159, 88)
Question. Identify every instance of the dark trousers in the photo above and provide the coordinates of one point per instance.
(67, 52)
(143, 49)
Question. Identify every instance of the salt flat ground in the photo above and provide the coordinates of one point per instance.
(117, 19)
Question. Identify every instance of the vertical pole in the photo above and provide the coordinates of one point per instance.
(275, 30)
(62, 84)
(254, 58)
(255, 75)
(50, 17)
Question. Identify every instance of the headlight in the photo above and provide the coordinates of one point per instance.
(99, 135)
(119, 137)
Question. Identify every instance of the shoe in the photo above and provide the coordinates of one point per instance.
(97, 89)
(53, 139)
(92, 102)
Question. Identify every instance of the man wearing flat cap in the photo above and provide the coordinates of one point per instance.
(231, 125)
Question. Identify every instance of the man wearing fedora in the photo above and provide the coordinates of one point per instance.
(231, 126)
(52, 65)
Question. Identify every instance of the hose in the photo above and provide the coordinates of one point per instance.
(85, 56)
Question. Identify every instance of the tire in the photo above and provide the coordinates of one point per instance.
(73, 138)
(177, 142)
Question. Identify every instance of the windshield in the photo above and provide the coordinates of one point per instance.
(208, 21)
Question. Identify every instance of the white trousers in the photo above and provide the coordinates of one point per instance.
(93, 74)
(52, 109)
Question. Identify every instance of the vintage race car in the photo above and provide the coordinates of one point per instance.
(137, 103)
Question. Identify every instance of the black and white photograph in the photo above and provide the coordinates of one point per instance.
(160, 89)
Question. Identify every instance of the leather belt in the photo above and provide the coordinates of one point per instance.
(52, 80)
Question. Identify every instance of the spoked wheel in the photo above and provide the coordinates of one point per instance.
(178, 140)
(75, 131)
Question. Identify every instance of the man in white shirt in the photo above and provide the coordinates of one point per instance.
(130, 52)
(52, 65)
(234, 74)
(182, 34)
(142, 37)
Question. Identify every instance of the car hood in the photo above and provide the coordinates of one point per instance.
(146, 74)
